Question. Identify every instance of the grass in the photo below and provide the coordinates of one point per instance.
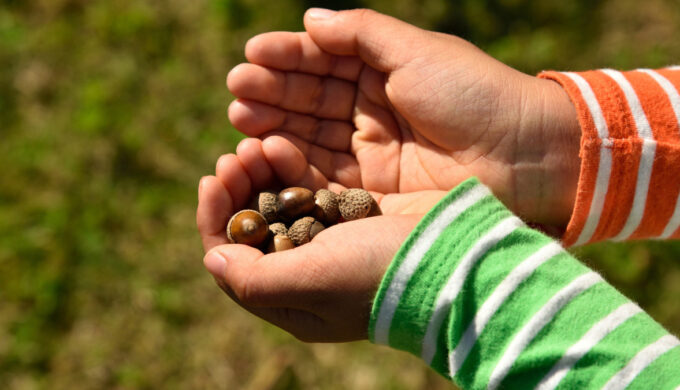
(110, 112)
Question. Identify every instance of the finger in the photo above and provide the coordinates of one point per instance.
(254, 119)
(334, 166)
(325, 97)
(290, 165)
(250, 154)
(269, 170)
(297, 52)
(214, 209)
(383, 42)
(235, 179)
(378, 147)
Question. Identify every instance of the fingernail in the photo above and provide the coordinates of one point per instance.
(216, 264)
(320, 13)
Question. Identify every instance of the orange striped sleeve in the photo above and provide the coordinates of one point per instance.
(625, 156)
(629, 184)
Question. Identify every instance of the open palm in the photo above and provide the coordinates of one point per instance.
(376, 103)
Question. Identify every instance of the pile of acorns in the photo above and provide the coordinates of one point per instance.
(277, 222)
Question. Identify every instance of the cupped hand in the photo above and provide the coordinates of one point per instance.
(320, 291)
(275, 162)
(376, 103)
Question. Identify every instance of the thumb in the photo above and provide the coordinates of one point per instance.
(230, 265)
(254, 280)
(385, 43)
(262, 288)
(240, 257)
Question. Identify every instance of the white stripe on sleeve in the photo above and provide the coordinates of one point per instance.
(592, 103)
(605, 165)
(667, 87)
(537, 322)
(644, 130)
(674, 97)
(416, 253)
(674, 222)
(453, 286)
(592, 337)
(604, 170)
(644, 176)
(511, 282)
(644, 173)
(641, 361)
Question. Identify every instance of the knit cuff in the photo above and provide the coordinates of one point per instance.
(630, 151)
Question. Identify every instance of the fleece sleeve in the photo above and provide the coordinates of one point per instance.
(629, 183)
(490, 303)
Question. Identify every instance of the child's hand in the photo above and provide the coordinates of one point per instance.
(321, 291)
(376, 103)
(271, 163)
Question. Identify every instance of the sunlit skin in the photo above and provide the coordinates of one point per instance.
(364, 100)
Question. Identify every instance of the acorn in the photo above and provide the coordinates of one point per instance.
(304, 229)
(280, 243)
(295, 202)
(326, 207)
(267, 203)
(357, 203)
(278, 228)
(247, 227)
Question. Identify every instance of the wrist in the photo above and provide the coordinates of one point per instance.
(546, 193)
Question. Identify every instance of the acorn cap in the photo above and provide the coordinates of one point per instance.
(267, 203)
(247, 227)
(357, 203)
(278, 228)
(326, 207)
(304, 229)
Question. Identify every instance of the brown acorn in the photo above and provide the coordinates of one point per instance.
(295, 202)
(247, 227)
(357, 203)
(303, 230)
(280, 243)
(267, 203)
(326, 207)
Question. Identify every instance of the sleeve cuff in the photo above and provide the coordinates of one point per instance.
(630, 152)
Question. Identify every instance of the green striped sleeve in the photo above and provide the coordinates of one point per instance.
(490, 303)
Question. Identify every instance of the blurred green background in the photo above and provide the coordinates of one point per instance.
(111, 111)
